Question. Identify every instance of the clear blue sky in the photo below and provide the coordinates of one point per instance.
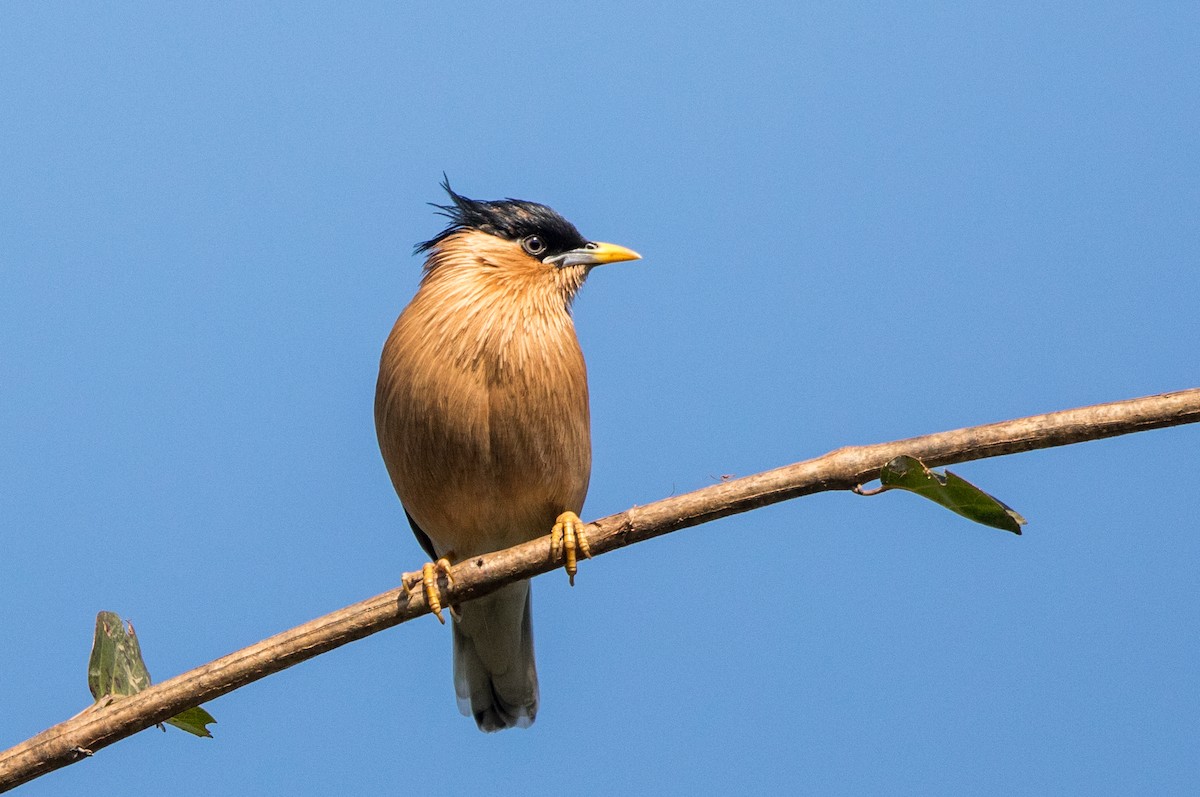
(858, 225)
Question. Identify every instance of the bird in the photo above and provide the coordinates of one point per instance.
(483, 420)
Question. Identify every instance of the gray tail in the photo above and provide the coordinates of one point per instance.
(495, 676)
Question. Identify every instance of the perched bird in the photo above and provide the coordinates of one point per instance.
(482, 415)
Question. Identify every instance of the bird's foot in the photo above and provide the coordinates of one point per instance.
(427, 578)
(567, 536)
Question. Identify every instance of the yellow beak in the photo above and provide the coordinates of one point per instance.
(594, 253)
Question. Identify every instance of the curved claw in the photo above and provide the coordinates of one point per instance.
(428, 579)
(567, 536)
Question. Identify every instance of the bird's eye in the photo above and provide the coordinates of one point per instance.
(533, 244)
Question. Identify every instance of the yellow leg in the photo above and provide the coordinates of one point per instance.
(428, 579)
(567, 536)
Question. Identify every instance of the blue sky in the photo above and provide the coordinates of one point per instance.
(858, 225)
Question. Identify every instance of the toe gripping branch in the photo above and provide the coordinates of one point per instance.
(428, 579)
(567, 540)
(567, 537)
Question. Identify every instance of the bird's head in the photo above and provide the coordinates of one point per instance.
(514, 244)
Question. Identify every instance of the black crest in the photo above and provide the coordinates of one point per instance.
(511, 219)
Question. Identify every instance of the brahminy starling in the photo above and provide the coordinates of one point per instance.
(482, 415)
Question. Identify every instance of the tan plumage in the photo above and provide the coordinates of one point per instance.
(482, 415)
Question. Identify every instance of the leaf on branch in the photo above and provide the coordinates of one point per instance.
(955, 493)
(194, 721)
(116, 667)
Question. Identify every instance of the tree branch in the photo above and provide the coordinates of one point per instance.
(845, 468)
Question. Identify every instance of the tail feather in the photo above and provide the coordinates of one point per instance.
(495, 676)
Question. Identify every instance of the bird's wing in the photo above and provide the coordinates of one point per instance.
(421, 536)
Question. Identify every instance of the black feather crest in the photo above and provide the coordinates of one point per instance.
(511, 219)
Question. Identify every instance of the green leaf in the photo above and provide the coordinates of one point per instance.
(193, 721)
(954, 493)
(116, 667)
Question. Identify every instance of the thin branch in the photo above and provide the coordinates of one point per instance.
(843, 469)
